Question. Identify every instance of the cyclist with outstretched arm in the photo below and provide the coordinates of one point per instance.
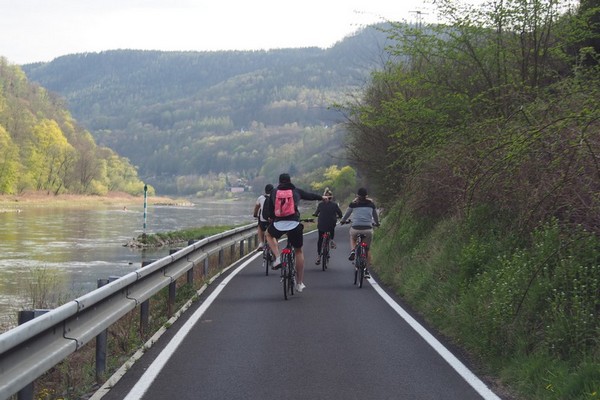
(287, 222)
(364, 216)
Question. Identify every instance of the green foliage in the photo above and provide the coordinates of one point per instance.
(342, 182)
(515, 307)
(42, 149)
(183, 116)
(9, 163)
(483, 141)
(45, 287)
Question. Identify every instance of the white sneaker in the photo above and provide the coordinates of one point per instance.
(301, 287)
(276, 263)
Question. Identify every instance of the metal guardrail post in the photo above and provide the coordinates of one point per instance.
(102, 340)
(101, 345)
(242, 248)
(205, 268)
(27, 315)
(190, 273)
(144, 317)
(172, 291)
(171, 300)
(145, 309)
(190, 276)
(221, 258)
(232, 252)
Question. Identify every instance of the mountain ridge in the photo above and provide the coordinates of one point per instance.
(159, 107)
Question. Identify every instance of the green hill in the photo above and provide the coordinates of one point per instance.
(42, 148)
(181, 116)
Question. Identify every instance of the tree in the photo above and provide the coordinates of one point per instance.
(9, 163)
(49, 154)
(41, 146)
(342, 182)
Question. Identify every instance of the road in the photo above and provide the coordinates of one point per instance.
(332, 341)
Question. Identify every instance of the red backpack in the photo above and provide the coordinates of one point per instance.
(284, 203)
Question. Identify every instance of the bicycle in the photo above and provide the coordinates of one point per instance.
(288, 270)
(325, 250)
(268, 258)
(360, 259)
(288, 267)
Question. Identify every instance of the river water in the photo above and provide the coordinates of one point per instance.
(58, 254)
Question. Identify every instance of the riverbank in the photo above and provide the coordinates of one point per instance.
(15, 203)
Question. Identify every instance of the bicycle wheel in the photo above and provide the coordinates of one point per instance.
(284, 279)
(292, 272)
(291, 281)
(287, 275)
(356, 262)
(361, 262)
(267, 260)
(361, 274)
(325, 254)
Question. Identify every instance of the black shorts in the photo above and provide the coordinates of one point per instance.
(295, 236)
(263, 225)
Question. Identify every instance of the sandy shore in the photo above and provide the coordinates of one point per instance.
(13, 203)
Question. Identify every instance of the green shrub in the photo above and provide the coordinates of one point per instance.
(527, 307)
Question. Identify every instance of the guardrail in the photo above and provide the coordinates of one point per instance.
(30, 349)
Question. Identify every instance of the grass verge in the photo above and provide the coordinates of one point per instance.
(524, 306)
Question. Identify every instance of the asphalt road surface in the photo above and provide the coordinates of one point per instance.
(332, 341)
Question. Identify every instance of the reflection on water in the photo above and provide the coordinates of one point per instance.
(81, 245)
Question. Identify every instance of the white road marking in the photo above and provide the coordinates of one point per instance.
(454, 362)
(157, 365)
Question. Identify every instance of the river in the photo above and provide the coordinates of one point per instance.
(59, 253)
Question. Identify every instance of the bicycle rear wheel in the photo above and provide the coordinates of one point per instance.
(284, 280)
(267, 261)
(291, 281)
(287, 272)
(325, 255)
(359, 265)
(361, 262)
(361, 274)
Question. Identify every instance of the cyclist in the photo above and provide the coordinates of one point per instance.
(365, 216)
(287, 225)
(328, 212)
(262, 222)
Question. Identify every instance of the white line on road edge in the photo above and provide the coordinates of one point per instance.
(454, 362)
(157, 365)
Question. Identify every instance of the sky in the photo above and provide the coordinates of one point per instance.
(41, 30)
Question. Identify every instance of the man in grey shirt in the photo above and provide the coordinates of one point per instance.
(364, 216)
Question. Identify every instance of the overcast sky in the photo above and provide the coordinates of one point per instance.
(41, 30)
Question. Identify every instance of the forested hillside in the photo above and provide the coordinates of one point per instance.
(43, 149)
(484, 149)
(182, 116)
